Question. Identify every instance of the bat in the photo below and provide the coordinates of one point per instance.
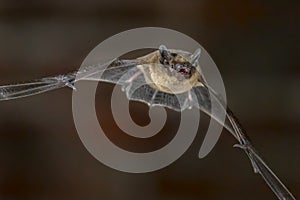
(165, 77)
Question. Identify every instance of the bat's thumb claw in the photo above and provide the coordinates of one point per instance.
(241, 146)
(70, 85)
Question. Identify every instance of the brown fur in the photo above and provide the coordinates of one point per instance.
(158, 77)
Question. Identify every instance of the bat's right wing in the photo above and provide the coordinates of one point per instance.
(235, 128)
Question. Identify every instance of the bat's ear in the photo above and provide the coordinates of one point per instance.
(164, 53)
(195, 56)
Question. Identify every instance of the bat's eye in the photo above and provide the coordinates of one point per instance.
(165, 62)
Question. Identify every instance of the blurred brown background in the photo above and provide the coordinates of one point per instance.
(255, 45)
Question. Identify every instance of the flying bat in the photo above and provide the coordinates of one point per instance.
(165, 77)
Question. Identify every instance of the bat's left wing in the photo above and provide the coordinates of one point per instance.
(115, 70)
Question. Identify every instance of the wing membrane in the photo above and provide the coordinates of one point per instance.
(235, 128)
(112, 74)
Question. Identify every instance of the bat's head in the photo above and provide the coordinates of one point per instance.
(170, 70)
(175, 62)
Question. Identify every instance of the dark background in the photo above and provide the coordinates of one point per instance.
(254, 43)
